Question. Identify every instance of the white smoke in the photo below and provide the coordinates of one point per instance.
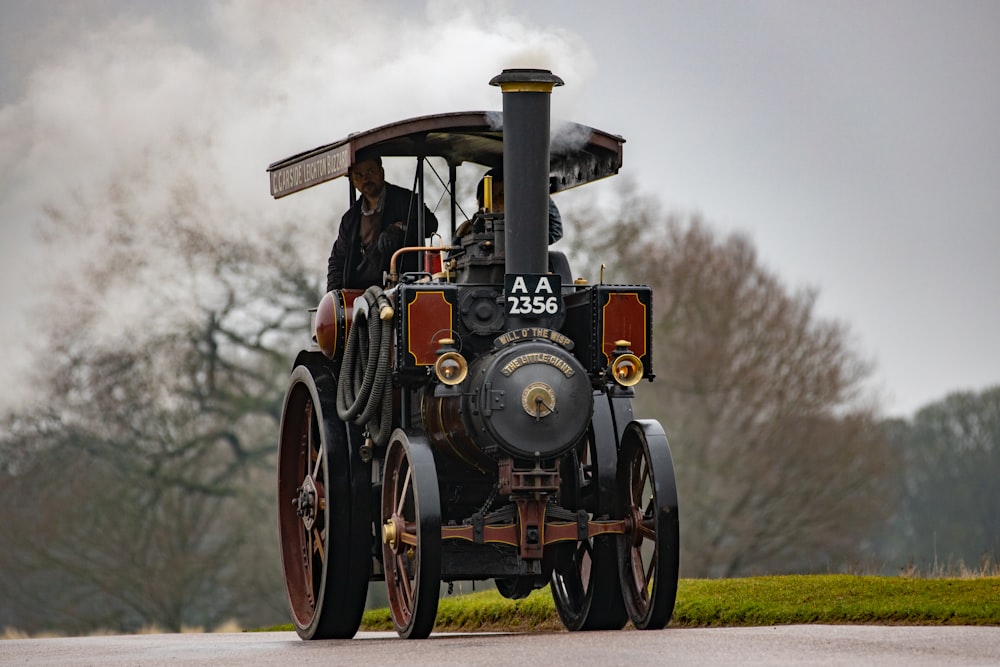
(137, 121)
(567, 136)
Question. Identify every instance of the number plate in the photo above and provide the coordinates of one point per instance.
(532, 295)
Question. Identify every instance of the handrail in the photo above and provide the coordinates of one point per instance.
(393, 276)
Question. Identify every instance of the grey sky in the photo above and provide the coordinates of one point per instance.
(857, 143)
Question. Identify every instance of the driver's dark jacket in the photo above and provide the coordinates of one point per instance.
(351, 268)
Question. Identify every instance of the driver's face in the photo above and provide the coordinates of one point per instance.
(368, 177)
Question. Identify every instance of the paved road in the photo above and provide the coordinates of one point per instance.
(782, 645)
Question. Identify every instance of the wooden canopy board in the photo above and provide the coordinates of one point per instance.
(578, 154)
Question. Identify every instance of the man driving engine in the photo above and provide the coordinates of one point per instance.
(380, 222)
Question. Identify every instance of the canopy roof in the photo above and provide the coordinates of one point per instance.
(578, 154)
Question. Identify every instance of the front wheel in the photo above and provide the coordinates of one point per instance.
(585, 586)
(649, 551)
(411, 534)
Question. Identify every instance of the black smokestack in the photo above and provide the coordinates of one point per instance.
(526, 103)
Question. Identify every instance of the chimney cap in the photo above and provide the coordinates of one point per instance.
(526, 80)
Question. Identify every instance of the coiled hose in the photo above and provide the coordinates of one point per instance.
(364, 392)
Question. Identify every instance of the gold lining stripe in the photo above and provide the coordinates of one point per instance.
(558, 531)
(526, 87)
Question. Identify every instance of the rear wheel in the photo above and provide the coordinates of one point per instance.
(649, 552)
(325, 533)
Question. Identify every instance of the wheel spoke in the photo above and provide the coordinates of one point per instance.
(401, 503)
(647, 530)
(318, 545)
(404, 580)
(638, 576)
(645, 483)
(319, 461)
(639, 473)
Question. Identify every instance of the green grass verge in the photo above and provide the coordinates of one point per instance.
(778, 600)
(756, 601)
(837, 599)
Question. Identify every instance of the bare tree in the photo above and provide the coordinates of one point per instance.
(780, 462)
(138, 491)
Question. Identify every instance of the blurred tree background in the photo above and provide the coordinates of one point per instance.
(141, 491)
(781, 464)
(948, 517)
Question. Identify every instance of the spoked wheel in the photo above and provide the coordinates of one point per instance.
(325, 533)
(585, 584)
(649, 552)
(411, 534)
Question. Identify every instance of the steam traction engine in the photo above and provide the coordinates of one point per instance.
(474, 421)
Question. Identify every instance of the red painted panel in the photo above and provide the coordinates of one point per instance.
(428, 318)
(623, 317)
